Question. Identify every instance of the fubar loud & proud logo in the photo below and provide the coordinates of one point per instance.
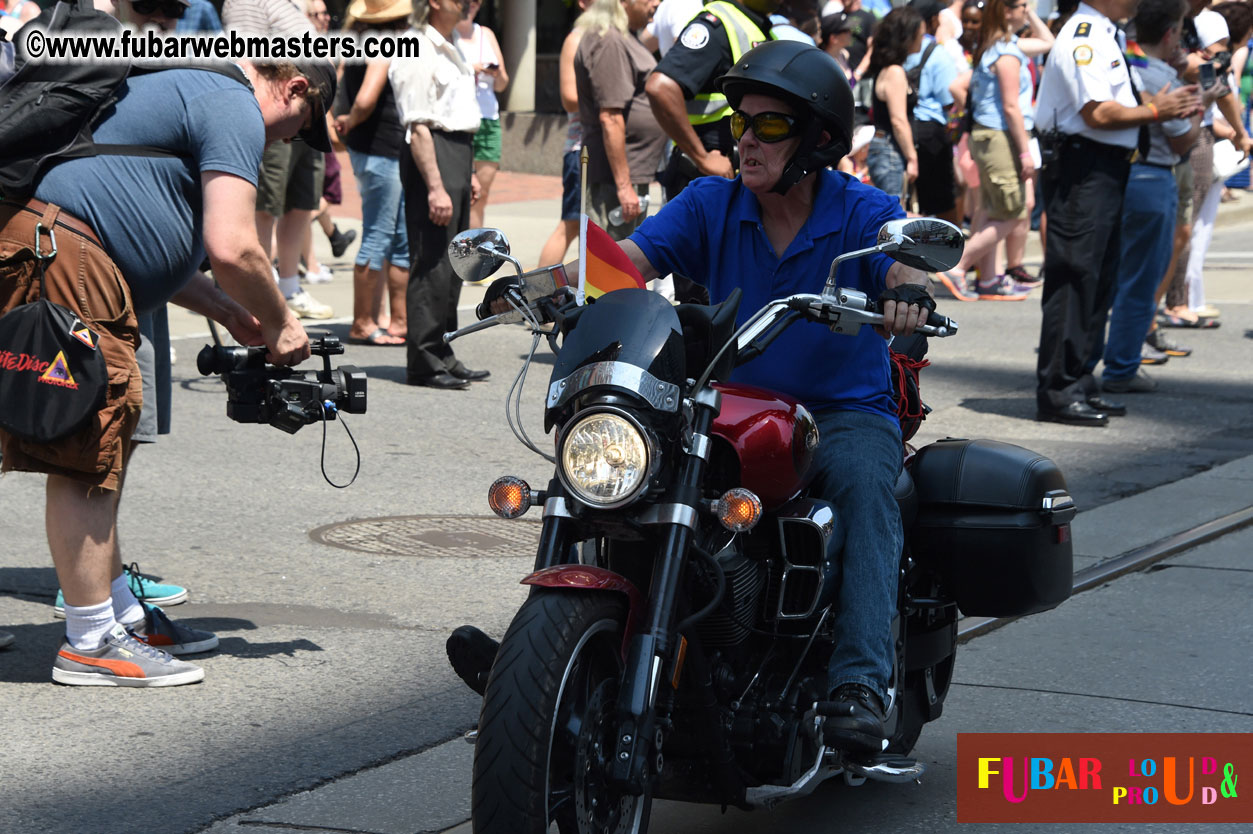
(1104, 777)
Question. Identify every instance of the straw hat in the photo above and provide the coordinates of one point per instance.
(378, 11)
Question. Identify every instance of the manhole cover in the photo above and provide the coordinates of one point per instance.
(433, 535)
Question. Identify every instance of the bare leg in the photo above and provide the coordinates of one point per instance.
(324, 218)
(306, 251)
(558, 242)
(81, 523)
(486, 172)
(292, 228)
(1183, 232)
(1016, 241)
(397, 284)
(364, 301)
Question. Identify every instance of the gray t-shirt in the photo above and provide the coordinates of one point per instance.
(1149, 80)
(609, 71)
(148, 211)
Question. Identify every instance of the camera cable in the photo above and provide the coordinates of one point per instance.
(327, 405)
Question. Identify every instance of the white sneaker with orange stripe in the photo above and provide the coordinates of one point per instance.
(121, 661)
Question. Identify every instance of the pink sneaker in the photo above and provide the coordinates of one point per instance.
(955, 285)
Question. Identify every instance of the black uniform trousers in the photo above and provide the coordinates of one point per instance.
(1083, 193)
(434, 289)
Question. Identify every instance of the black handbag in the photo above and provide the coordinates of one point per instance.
(53, 377)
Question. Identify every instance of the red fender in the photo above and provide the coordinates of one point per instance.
(588, 578)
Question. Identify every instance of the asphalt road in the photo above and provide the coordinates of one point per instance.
(332, 664)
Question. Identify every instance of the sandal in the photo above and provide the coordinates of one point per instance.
(1167, 320)
(379, 338)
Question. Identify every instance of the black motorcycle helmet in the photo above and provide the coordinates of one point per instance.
(813, 83)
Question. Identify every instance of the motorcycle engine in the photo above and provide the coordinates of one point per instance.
(746, 579)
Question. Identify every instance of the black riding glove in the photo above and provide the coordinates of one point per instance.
(497, 290)
(907, 294)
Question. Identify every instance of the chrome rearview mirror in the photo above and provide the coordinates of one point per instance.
(922, 243)
(477, 253)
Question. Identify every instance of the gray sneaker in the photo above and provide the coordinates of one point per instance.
(121, 661)
(6, 639)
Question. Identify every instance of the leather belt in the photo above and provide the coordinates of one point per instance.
(1082, 143)
(64, 219)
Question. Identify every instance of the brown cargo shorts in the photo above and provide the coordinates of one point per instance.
(84, 279)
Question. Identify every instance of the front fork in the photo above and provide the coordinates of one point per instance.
(652, 646)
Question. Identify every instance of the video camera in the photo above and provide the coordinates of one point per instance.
(283, 397)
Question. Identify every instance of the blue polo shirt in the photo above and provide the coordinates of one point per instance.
(712, 233)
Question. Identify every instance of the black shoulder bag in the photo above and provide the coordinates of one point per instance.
(52, 376)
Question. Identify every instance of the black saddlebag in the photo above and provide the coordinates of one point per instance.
(994, 521)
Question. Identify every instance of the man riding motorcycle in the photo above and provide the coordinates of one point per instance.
(771, 232)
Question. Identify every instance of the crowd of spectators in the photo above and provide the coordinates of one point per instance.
(946, 122)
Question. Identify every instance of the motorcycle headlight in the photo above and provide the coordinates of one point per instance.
(605, 459)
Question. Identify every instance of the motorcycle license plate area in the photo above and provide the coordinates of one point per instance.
(994, 522)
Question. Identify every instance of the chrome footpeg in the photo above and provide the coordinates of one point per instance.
(896, 769)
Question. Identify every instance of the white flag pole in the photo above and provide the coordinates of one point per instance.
(579, 298)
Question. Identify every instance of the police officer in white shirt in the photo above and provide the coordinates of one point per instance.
(1089, 117)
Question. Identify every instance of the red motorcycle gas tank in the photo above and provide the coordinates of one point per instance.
(774, 437)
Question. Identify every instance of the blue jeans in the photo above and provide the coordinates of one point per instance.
(887, 166)
(858, 462)
(1148, 228)
(383, 235)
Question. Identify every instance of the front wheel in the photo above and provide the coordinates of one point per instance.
(547, 726)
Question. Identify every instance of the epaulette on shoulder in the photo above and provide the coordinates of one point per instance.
(710, 18)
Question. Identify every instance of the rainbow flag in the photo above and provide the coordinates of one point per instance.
(603, 266)
(1135, 55)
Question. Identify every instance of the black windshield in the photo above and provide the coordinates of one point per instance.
(638, 327)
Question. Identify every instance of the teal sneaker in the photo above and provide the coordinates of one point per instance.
(145, 589)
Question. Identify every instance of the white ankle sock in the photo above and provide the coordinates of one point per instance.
(86, 625)
(289, 286)
(126, 608)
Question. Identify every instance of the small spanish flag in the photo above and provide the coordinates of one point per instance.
(603, 266)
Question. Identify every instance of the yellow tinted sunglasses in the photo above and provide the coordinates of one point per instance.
(767, 127)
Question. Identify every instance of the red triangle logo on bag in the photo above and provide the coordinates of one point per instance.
(84, 334)
(58, 373)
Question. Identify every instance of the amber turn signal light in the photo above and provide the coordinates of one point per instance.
(738, 510)
(509, 497)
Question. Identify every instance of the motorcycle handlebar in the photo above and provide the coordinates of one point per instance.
(846, 311)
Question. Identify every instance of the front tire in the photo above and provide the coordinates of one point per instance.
(547, 723)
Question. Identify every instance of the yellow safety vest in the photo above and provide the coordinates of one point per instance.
(742, 34)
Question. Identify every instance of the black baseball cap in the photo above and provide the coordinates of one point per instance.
(835, 23)
(321, 76)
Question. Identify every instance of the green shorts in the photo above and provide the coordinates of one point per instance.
(487, 141)
(290, 178)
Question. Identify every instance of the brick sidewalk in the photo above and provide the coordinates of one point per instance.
(509, 187)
